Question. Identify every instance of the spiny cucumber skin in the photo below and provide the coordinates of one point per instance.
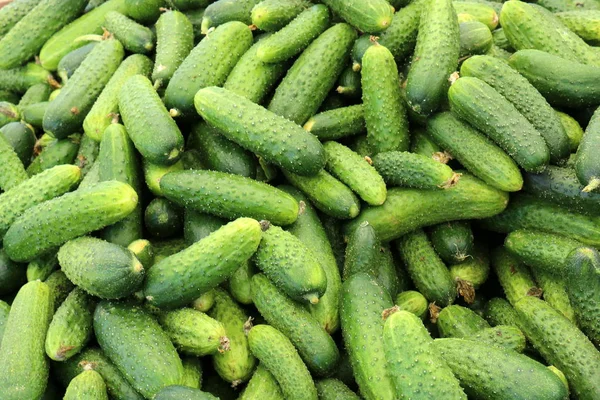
(223, 11)
(12, 275)
(60, 287)
(174, 41)
(236, 364)
(471, 99)
(217, 193)
(22, 78)
(401, 168)
(361, 304)
(87, 385)
(193, 332)
(176, 392)
(362, 252)
(414, 302)
(270, 136)
(475, 38)
(106, 106)
(337, 123)
(495, 373)
(587, 166)
(506, 336)
(568, 5)
(13, 12)
(483, 13)
(294, 37)
(180, 278)
(87, 154)
(57, 152)
(435, 57)
(138, 346)
(514, 277)
(562, 344)
(498, 311)
(135, 37)
(262, 385)
(272, 15)
(583, 23)
(219, 51)
(149, 125)
(12, 171)
(24, 368)
(72, 60)
(475, 269)
(457, 321)
(334, 389)
(385, 113)
(298, 98)
(4, 311)
(526, 99)
(453, 241)
(56, 221)
(416, 369)
(192, 372)
(554, 293)
(370, 17)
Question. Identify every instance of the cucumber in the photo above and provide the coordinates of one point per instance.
(60, 287)
(205, 301)
(509, 337)
(501, 41)
(584, 23)
(192, 372)
(483, 13)
(215, 193)
(416, 369)
(498, 311)
(289, 147)
(505, 125)
(298, 98)
(4, 311)
(41, 267)
(453, 241)
(555, 293)
(35, 94)
(33, 114)
(223, 11)
(197, 225)
(362, 252)
(153, 131)
(195, 17)
(57, 152)
(8, 113)
(408, 209)
(514, 277)
(138, 346)
(24, 368)
(54, 222)
(337, 123)
(475, 269)
(227, 44)
(568, 5)
(361, 304)
(495, 373)
(163, 218)
(175, 392)
(167, 248)
(12, 171)
(587, 167)
(204, 264)
(191, 159)
(475, 38)
(135, 37)
(8, 96)
(106, 106)
(334, 389)
(87, 385)
(414, 302)
(526, 99)
(262, 385)
(13, 12)
(66, 113)
(26, 38)
(572, 128)
(22, 78)
(327, 194)
(92, 177)
(435, 57)
(185, 5)
(71, 326)
(388, 274)
(69, 63)
(561, 344)
(421, 143)
(272, 15)
(174, 41)
(349, 84)
(457, 321)
(294, 37)
(370, 17)
(87, 154)
(240, 284)
(384, 110)
(291, 265)
(153, 173)
(12, 275)
(279, 356)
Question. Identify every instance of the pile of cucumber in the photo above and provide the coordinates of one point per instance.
(298, 199)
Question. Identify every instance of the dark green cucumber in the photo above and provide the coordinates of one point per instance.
(197, 225)
(223, 11)
(289, 146)
(514, 277)
(41, 267)
(185, 5)
(475, 269)
(372, 17)
(8, 96)
(35, 94)
(12, 275)
(33, 114)
(24, 369)
(138, 346)
(500, 120)
(555, 293)
(22, 78)
(349, 84)
(87, 385)
(334, 389)
(361, 305)
(475, 38)
(87, 154)
(135, 37)
(4, 312)
(153, 173)
(60, 287)
(457, 321)
(272, 15)
(227, 44)
(322, 61)
(22, 138)
(176, 392)
(389, 273)
(163, 218)
(71, 61)
(204, 264)
(337, 123)
(291, 265)
(167, 248)
(498, 311)
(435, 57)
(587, 167)
(12, 171)
(507, 336)
(453, 241)
(414, 302)
(52, 223)
(495, 373)
(192, 372)
(13, 12)
(262, 385)
(144, 11)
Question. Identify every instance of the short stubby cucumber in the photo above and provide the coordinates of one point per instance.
(371, 17)
(135, 38)
(457, 321)
(337, 123)
(514, 277)
(587, 166)
(87, 385)
(272, 15)
(413, 302)
(474, 270)
(453, 241)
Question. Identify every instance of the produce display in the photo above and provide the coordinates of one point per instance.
(299, 199)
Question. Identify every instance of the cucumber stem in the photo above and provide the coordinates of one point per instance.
(312, 298)
(592, 185)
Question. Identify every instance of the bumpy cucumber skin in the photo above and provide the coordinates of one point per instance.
(475, 269)
(416, 369)
(568, 5)
(483, 13)
(583, 23)
(240, 284)
(526, 99)
(252, 127)
(4, 311)
(215, 193)
(175, 392)
(22, 78)
(498, 311)
(12, 171)
(12, 275)
(475, 38)
(192, 372)
(41, 267)
(54, 222)
(24, 368)
(262, 386)
(87, 154)
(223, 11)
(361, 305)
(174, 41)
(272, 15)
(337, 123)
(135, 37)
(457, 321)
(193, 332)
(401, 168)
(561, 344)
(494, 373)
(226, 44)
(507, 336)
(370, 17)
(505, 125)
(514, 277)
(57, 152)
(414, 302)
(555, 293)
(298, 98)
(175, 281)
(587, 166)
(87, 385)
(334, 389)
(60, 287)
(13, 12)
(153, 173)
(470, 198)
(435, 57)
(362, 251)
(572, 128)
(72, 60)
(453, 241)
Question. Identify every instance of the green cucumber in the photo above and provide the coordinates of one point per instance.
(167, 248)
(222, 11)
(150, 127)
(192, 372)
(185, 5)
(337, 123)
(421, 143)
(69, 63)
(54, 222)
(334, 389)
(240, 284)
(500, 120)
(227, 44)
(4, 312)
(41, 267)
(106, 106)
(587, 167)
(384, 110)
(24, 369)
(457, 321)
(197, 225)
(475, 269)
(176, 392)
(361, 304)
(495, 373)
(22, 78)
(33, 114)
(435, 57)
(205, 264)
(8, 113)
(272, 15)
(475, 38)
(555, 293)
(498, 311)
(57, 152)
(262, 386)
(482, 13)
(8, 96)
(217, 193)
(362, 252)
(153, 173)
(408, 209)
(66, 113)
(87, 154)
(35, 94)
(87, 385)
(501, 41)
(205, 301)
(298, 98)
(12, 275)
(514, 277)
(191, 159)
(416, 369)
(388, 273)
(289, 146)
(573, 129)
(453, 241)
(195, 17)
(144, 11)
(584, 23)
(568, 5)
(414, 302)
(13, 12)
(12, 171)
(60, 287)
(562, 344)
(509, 337)
(143, 250)
(163, 218)
(291, 265)
(26, 38)
(370, 17)
(349, 84)
(135, 37)
(138, 346)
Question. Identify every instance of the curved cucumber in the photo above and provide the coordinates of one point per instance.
(174, 41)
(262, 385)
(587, 166)
(337, 123)
(514, 277)
(135, 37)
(371, 17)
(272, 15)
(87, 385)
(453, 241)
